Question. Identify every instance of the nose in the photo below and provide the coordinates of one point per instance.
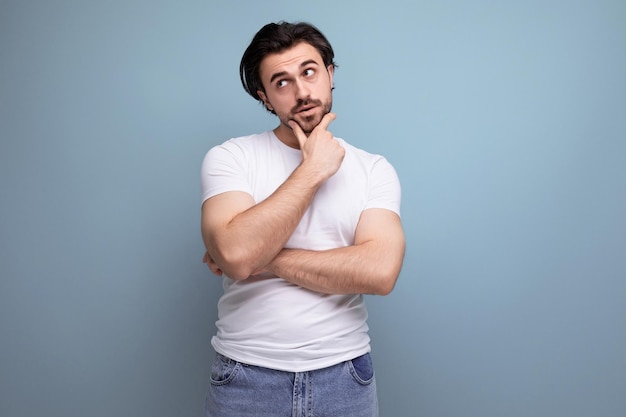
(302, 90)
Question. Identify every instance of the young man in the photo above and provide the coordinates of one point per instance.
(300, 224)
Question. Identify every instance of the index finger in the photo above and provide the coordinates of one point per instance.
(328, 117)
(298, 132)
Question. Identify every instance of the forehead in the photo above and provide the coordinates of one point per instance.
(289, 60)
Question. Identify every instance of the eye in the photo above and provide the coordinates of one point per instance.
(309, 72)
(281, 83)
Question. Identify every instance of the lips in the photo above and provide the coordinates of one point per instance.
(306, 106)
(306, 109)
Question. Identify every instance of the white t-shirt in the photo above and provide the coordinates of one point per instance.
(270, 322)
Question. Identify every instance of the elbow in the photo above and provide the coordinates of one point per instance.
(387, 277)
(235, 274)
(235, 266)
(388, 269)
(392, 272)
(385, 284)
(235, 271)
(386, 290)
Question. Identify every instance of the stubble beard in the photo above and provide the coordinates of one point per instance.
(309, 122)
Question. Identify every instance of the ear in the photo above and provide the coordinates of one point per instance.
(331, 72)
(265, 100)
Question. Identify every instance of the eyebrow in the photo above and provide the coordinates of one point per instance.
(284, 73)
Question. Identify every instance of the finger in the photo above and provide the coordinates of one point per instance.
(297, 131)
(214, 268)
(328, 117)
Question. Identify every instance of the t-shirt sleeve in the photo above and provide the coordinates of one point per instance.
(224, 169)
(385, 191)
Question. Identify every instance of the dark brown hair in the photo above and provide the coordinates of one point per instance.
(275, 38)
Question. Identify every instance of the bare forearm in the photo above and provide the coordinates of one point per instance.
(361, 269)
(255, 236)
(243, 237)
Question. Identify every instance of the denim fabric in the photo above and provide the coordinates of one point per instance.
(347, 389)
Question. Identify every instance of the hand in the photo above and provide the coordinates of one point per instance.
(212, 265)
(321, 152)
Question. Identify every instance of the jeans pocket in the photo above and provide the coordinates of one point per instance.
(362, 369)
(223, 370)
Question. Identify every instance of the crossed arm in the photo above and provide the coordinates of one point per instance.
(370, 266)
(243, 238)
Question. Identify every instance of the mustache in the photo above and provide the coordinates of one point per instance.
(305, 103)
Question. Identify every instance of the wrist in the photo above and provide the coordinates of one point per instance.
(311, 175)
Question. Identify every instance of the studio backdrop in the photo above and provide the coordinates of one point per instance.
(503, 119)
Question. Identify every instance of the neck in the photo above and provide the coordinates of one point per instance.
(286, 136)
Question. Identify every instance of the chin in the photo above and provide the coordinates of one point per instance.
(310, 122)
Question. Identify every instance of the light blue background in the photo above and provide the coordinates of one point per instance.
(506, 122)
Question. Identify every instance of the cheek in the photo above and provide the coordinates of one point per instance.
(280, 104)
(325, 88)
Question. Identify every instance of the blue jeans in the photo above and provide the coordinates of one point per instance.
(347, 389)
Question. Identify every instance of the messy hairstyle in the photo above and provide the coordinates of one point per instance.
(275, 38)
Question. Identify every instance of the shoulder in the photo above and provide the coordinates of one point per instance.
(244, 142)
(238, 147)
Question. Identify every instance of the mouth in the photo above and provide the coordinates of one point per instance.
(306, 109)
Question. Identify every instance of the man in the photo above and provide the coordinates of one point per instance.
(300, 224)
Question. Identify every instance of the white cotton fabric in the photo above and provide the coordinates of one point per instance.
(270, 322)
